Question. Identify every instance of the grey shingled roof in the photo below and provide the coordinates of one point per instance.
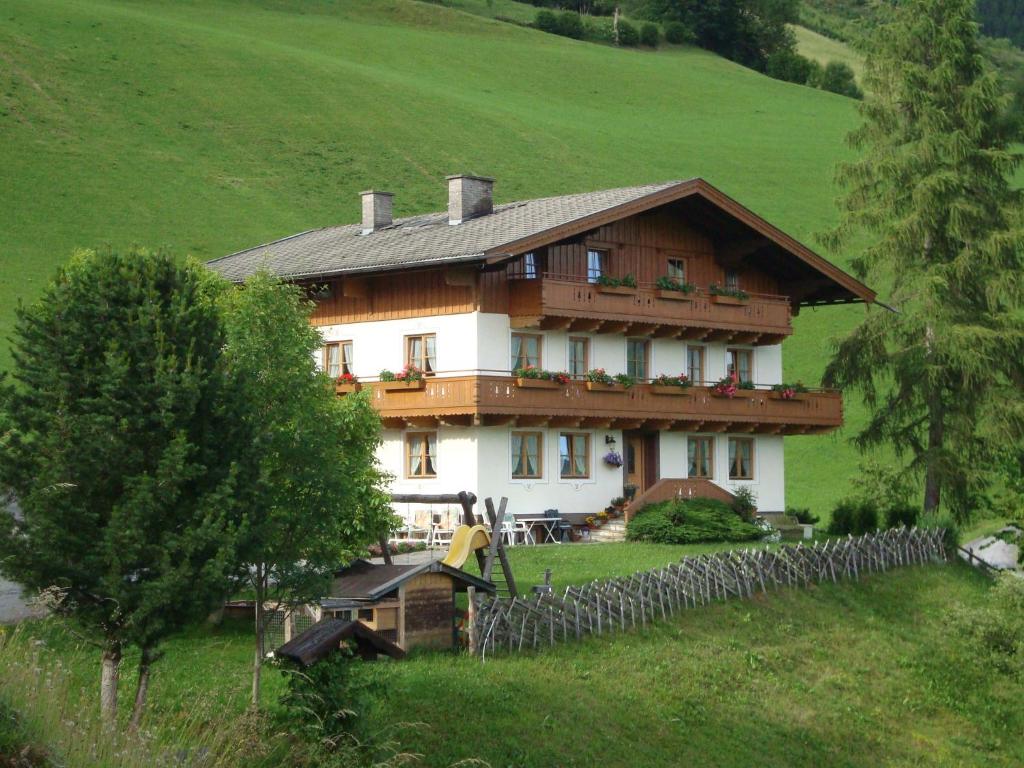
(422, 239)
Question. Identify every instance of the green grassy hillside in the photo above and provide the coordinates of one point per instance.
(851, 675)
(210, 126)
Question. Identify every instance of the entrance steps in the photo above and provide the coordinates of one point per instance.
(613, 530)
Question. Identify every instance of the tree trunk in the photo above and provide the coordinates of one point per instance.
(257, 664)
(111, 667)
(936, 435)
(146, 660)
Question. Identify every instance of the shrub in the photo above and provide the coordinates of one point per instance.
(546, 21)
(789, 66)
(678, 33)
(690, 522)
(901, 515)
(838, 77)
(803, 515)
(649, 35)
(570, 24)
(946, 521)
(323, 701)
(744, 503)
(628, 36)
(855, 517)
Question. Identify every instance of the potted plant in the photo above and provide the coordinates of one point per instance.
(629, 491)
(673, 289)
(346, 383)
(591, 521)
(623, 285)
(670, 385)
(410, 377)
(597, 379)
(532, 377)
(619, 503)
(725, 387)
(613, 459)
(625, 380)
(723, 295)
(788, 391)
(602, 517)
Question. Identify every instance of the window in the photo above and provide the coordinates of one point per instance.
(529, 266)
(595, 264)
(677, 269)
(574, 455)
(700, 454)
(579, 354)
(421, 454)
(421, 351)
(332, 360)
(740, 364)
(338, 358)
(525, 351)
(741, 458)
(526, 455)
(732, 279)
(695, 364)
(636, 358)
(366, 614)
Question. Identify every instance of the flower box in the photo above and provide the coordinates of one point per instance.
(661, 293)
(537, 383)
(670, 389)
(600, 386)
(402, 386)
(344, 389)
(624, 290)
(734, 300)
(737, 393)
(774, 395)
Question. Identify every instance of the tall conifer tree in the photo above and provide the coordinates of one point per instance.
(930, 194)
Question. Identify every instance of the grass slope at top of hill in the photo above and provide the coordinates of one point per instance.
(206, 127)
(821, 49)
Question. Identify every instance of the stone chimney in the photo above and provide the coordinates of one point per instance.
(469, 197)
(376, 210)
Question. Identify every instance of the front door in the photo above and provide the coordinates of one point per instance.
(634, 457)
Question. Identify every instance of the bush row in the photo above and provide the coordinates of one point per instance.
(690, 522)
(601, 29)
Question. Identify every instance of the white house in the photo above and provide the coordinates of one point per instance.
(673, 279)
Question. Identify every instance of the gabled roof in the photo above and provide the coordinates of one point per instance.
(323, 638)
(512, 229)
(363, 580)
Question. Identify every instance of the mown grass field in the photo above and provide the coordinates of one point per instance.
(855, 674)
(205, 127)
(823, 49)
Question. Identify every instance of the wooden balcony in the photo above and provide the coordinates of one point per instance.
(555, 302)
(485, 399)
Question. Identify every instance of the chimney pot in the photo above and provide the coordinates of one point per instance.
(376, 210)
(469, 197)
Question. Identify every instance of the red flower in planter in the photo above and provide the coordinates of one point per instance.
(346, 378)
(726, 387)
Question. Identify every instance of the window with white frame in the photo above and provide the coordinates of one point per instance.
(421, 454)
(741, 458)
(525, 351)
(574, 455)
(700, 457)
(527, 455)
(421, 352)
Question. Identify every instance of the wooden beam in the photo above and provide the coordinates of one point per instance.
(628, 423)
(556, 323)
(641, 329)
(566, 422)
(613, 327)
(525, 321)
(668, 332)
(686, 426)
(659, 425)
(720, 335)
(744, 427)
(592, 422)
(770, 429)
(390, 422)
(695, 334)
(421, 422)
(533, 421)
(717, 426)
(746, 338)
(456, 420)
(498, 420)
(584, 325)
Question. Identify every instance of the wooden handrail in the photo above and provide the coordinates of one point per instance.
(645, 285)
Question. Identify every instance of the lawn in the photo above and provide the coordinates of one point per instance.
(206, 127)
(823, 49)
(855, 674)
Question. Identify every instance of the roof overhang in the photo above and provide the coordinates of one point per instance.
(821, 281)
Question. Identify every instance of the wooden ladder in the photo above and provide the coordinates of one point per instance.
(504, 582)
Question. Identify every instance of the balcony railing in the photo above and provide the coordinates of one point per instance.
(763, 318)
(483, 397)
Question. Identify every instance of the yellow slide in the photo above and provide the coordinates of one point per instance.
(465, 540)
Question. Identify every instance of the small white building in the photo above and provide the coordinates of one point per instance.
(664, 280)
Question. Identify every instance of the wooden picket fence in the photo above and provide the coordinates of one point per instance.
(622, 604)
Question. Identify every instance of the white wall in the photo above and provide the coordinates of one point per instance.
(769, 466)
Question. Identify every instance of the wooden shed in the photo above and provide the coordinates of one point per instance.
(409, 605)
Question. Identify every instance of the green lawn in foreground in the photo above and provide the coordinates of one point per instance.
(211, 126)
(855, 674)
